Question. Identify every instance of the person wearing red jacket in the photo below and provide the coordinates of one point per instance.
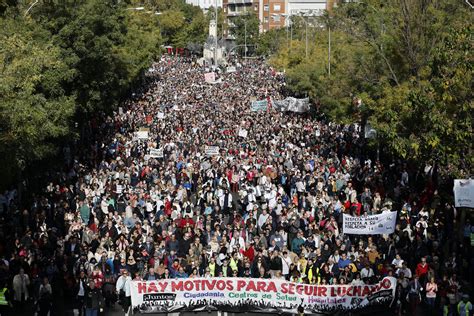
(98, 277)
(422, 269)
(249, 251)
(186, 221)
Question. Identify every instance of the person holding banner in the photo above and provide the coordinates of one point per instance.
(123, 291)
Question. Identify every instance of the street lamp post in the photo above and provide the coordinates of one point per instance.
(245, 49)
(215, 42)
(306, 35)
(306, 24)
(291, 33)
(329, 50)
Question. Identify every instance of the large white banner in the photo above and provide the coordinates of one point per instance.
(266, 295)
(383, 223)
(291, 104)
(464, 193)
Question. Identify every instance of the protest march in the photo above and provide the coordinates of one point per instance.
(233, 196)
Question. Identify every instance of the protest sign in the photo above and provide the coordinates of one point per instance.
(383, 223)
(120, 110)
(292, 105)
(142, 134)
(464, 193)
(259, 105)
(231, 69)
(156, 153)
(119, 189)
(210, 77)
(161, 115)
(212, 150)
(243, 133)
(265, 295)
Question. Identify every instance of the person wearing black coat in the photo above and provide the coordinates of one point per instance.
(225, 269)
(94, 301)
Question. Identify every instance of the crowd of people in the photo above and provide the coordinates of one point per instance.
(158, 204)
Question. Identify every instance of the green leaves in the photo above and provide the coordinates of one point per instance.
(410, 62)
(66, 62)
(246, 29)
(34, 113)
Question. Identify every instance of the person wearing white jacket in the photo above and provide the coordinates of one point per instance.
(123, 290)
(21, 281)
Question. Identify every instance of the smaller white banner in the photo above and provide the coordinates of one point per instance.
(212, 151)
(210, 77)
(383, 223)
(243, 133)
(161, 115)
(231, 69)
(464, 193)
(142, 135)
(156, 153)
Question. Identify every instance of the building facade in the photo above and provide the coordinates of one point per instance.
(235, 8)
(272, 13)
(205, 5)
(301, 7)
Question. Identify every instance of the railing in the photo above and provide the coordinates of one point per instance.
(239, 1)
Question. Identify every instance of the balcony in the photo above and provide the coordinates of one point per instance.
(239, 1)
(237, 13)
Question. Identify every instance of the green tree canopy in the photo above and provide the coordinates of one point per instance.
(66, 61)
(408, 61)
(34, 112)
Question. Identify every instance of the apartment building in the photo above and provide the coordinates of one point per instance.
(235, 8)
(205, 5)
(272, 13)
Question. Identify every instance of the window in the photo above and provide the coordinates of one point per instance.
(276, 18)
(265, 19)
(265, 8)
(276, 7)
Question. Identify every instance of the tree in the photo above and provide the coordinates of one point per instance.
(34, 112)
(430, 119)
(409, 63)
(246, 29)
(171, 22)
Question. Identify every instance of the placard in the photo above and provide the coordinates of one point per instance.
(261, 105)
(383, 223)
(212, 150)
(142, 134)
(210, 77)
(464, 193)
(243, 133)
(156, 153)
